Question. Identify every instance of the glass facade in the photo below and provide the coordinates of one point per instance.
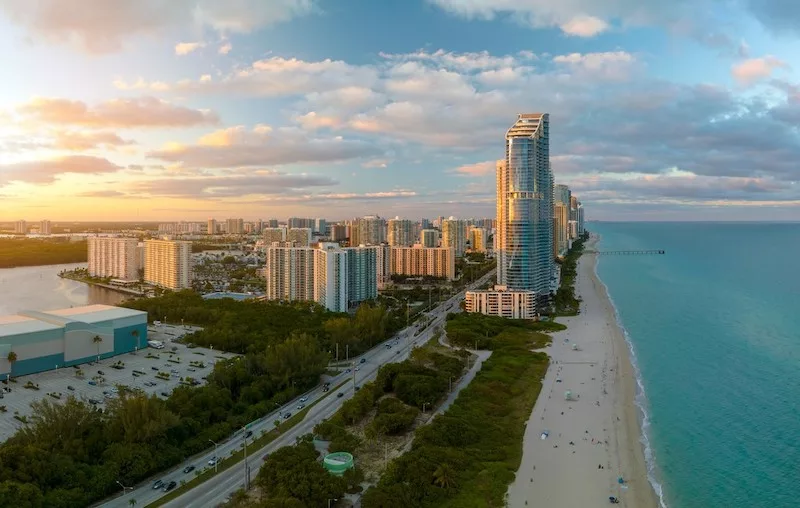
(525, 207)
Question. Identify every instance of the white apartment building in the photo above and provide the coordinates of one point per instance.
(44, 227)
(400, 232)
(21, 227)
(300, 236)
(364, 272)
(429, 238)
(368, 230)
(421, 261)
(331, 279)
(211, 227)
(113, 257)
(167, 263)
(234, 226)
(454, 235)
(503, 302)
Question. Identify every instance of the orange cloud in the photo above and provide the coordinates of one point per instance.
(184, 48)
(46, 171)
(79, 141)
(121, 113)
(477, 169)
(755, 69)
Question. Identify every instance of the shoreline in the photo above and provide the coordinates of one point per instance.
(594, 435)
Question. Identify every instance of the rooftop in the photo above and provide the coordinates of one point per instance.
(18, 325)
(95, 313)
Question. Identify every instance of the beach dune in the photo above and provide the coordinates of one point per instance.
(587, 409)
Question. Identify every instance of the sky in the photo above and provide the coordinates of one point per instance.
(147, 110)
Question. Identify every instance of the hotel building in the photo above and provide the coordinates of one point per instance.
(503, 302)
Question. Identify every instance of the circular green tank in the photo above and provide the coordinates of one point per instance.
(337, 463)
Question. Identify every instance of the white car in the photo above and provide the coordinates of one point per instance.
(303, 399)
(213, 461)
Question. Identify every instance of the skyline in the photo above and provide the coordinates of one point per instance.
(143, 112)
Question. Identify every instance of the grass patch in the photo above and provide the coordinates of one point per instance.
(468, 456)
(238, 456)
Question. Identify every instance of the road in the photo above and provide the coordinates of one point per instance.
(217, 489)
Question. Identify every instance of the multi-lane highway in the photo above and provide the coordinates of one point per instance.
(217, 489)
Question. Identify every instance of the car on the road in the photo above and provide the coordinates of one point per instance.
(326, 388)
(171, 485)
(287, 415)
(213, 461)
(340, 394)
(248, 434)
(356, 368)
(363, 360)
(158, 484)
(348, 371)
(398, 351)
(71, 388)
(301, 406)
(101, 372)
(188, 469)
(303, 399)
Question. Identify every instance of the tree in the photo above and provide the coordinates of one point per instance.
(135, 335)
(132, 502)
(12, 357)
(97, 340)
(444, 476)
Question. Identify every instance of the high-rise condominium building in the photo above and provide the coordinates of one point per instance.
(400, 232)
(44, 227)
(320, 226)
(167, 263)
(300, 222)
(477, 239)
(234, 226)
(272, 235)
(369, 230)
(454, 235)
(420, 261)
(113, 257)
(524, 235)
(337, 232)
(211, 227)
(332, 276)
(300, 236)
(272, 223)
(21, 227)
(429, 238)
(560, 229)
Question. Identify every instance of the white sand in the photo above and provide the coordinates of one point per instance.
(555, 473)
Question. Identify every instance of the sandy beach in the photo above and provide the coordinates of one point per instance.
(594, 437)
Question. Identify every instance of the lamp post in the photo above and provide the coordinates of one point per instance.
(332, 500)
(425, 404)
(216, 457)
(124, 488)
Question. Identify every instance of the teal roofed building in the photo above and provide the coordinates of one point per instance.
(36, 341)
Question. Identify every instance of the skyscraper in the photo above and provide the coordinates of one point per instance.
(234, 226)
(454, 235)
(211, 227)
(168, 263)
(113, 257)
(400, 232)
(525, 207)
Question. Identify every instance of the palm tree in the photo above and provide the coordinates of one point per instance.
(12, 357)
(135, 334)
(97, 340)
(444, 476)
(132, 502)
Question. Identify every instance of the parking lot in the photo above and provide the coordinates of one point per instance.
(97, 382)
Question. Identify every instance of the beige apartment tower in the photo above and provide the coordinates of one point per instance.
(168, 264)
(421, 261)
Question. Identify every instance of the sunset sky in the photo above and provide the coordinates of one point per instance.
(187, 109)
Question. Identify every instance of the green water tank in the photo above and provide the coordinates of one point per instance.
(337, 463)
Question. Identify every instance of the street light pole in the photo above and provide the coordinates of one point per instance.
(246, 467)
(329, 501)
(216, 457)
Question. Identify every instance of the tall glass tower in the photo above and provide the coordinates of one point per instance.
(524, 243)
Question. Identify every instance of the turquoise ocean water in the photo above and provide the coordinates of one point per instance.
(715, 327)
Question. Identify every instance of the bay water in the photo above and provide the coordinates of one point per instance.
(714, 324)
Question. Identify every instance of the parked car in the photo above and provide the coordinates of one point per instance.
(71, 388)
(154, 368)
(93, 383)
(164, 394)
(94, 401)
(158, 484)
(101, 372)
(188, 469)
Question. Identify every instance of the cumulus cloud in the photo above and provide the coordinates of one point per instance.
(752, 70)
(584, 26)
(102, 26)
(122, 113)
(239, 147)
(46, 171)
(78, 141)
(477, 169)
(225, 48)
(184, 48)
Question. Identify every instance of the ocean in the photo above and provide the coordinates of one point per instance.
(714, 324)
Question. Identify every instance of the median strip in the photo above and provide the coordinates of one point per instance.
(238, 456)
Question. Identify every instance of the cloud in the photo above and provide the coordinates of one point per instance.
(102, 26)
(477, 169)
(46, 171)
(614, 66)
(78, 141)
(225, 48)
(103, 194)
(751, 70)
(184, 48)
(121, 113)
(313, 121)
(239, 147)
(584, 26)
(376, 163)
(141, 84)
(233, 185)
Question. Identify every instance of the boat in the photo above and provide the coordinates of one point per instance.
(545, 434)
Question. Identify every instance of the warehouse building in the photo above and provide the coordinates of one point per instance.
(34, 341)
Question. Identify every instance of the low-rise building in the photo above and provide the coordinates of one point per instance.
(503, 302)
(34, 341)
